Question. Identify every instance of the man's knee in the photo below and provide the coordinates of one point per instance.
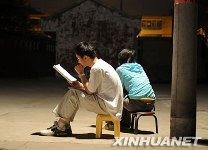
(71, 93)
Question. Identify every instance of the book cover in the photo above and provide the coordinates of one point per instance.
(64, 73)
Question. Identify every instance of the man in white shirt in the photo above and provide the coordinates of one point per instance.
(102, 93)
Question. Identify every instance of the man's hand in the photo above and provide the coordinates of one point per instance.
(77, 85)
(79, 69)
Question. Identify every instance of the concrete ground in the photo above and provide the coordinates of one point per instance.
(26, 107)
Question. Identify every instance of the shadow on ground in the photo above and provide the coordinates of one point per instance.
(203, 142)
(92, 136)
(128, 130)
(83, 136)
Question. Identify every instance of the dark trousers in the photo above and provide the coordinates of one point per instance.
(131, 105)
(137, 105)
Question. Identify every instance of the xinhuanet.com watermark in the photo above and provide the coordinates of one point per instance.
(156, 141)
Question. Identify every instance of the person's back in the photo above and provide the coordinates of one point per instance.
(135, 80)
(105, 82)
(136, 85)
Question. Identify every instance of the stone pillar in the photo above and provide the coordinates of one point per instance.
(184, 70)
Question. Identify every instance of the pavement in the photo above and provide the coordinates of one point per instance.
(26, 107)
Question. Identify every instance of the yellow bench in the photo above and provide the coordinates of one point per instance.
(99, 124)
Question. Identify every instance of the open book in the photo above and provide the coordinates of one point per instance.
(64, 73)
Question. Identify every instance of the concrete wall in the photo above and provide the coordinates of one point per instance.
(109, 30)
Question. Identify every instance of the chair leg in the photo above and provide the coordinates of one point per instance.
(135, 119)
(156, 124)
(99, 123)
(136, 131)
(116, 128)
(132, 122)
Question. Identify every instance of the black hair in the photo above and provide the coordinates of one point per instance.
(85, 48)
(126, 56)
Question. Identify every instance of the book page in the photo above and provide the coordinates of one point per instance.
(64, 73)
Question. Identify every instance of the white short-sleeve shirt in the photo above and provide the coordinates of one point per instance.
(105, 83)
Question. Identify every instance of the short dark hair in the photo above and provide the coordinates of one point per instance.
(85, 48)
(126, 56)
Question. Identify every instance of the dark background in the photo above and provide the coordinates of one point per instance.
(26, 53)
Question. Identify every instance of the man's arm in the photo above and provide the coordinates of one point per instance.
(85, 83)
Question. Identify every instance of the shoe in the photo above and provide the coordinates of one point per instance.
(56, 131)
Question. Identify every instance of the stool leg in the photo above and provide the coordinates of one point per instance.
(136, 124)
(132, 122)
(98, 127)
(116, 128)
(156, 124)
